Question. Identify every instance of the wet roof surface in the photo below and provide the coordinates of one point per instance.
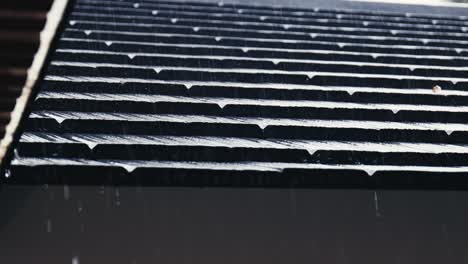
(172, 93)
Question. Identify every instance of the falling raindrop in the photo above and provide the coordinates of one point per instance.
(66, 192)
(48, 225)
(376, 204)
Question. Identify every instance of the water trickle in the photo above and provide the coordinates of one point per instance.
(173, 20)
(136, 5)
(154, 12)
(72, 22)
(88, 32)
(108, 43)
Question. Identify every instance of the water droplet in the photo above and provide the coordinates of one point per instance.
(174, 20)
(80, 207)
(275, 61)
(286, 26)
(136, 5)
(108, 43)
(458, 51)
(131, 56)
(365, 23)
(75, 260)
(196, 29)
(48, 225)
(393, 32)
(240, 11)
(157, 70)
(128, 168)
(220, 4)
(66, 192)
(245, 50)
(188, 85)
(395, 111)
(154, 12)
(464, 29)
(376, 204)
(449, 132)
(218, 38)
(437, 89)
(341, 45)
(7, 173)
(424, 41)
(88, 32)
(370, 172)
(262, 18)
(72, 22)
(313, 35)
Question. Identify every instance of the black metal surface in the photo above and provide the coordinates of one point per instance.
(172, 93)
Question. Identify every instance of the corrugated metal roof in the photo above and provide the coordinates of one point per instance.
(165, 92)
